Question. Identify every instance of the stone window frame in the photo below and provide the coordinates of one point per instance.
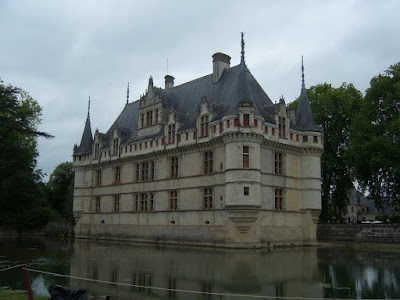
(98, 177)
(97, 204)
(174, 167)
(204, 125)
(171, 133)
(246, 191)
(117, 175)
(246, 156)
(208, 198)
(208, 162)
(116, 205)
(278, 163)
(282, 127)
(173, 200)
(279, 199)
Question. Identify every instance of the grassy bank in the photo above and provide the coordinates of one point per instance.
(8, 294)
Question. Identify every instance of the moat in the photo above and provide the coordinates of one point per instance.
(139, 271)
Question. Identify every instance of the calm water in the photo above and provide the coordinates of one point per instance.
(340, 271)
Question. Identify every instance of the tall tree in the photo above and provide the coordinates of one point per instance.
(60, 189)
(19, 180)
(374, 149)
(334, 109)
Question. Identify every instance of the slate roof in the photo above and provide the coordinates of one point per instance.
(236, 84)
(86, 142)
(224, 97)
(304, 115)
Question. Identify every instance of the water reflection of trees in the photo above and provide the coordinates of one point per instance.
(359, 273)
(52, 255)
(289, 272)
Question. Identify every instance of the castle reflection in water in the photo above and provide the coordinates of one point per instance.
(280, 273)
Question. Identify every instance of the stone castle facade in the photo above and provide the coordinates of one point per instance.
(209, 162)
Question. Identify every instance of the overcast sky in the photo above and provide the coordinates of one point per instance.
(62, 52)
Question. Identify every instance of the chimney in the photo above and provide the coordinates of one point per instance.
(169, 82)
(221, 62)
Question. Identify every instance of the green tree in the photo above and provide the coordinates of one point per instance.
(374, 150)
(334, 109)
(60, 190)
(20, 191)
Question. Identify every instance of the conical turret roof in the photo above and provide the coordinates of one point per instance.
(304, 115)
(87, 137)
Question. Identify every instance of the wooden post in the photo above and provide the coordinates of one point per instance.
(27, 281)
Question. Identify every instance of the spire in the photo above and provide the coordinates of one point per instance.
(88, 110)
(127, 95)
(303, 85)
(304, 115)
(87, 137)
(243, 66)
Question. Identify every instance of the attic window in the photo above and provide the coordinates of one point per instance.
(171, 133)
(282, 127)
(96, 150)
(204, 126)
(246, 120)
(115, 147)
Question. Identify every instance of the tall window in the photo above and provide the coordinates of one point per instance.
(171, 133)
(305, 138)
(278, 163)
(282, 127)
(246, 159)
(117, 175)
(115, 146)
(174, 167)
(246, 120)
(151, 202)
(98, 203)
(204, 126)
(143, 202)
(137, 172)
(152, 172)
(142, 120)
(156, 113)
(278, 199)
(149, 118)
(137, 202)
(208, 162)
(173, 200)
(96, 150)
(145, 171)
(98, 177)
(208, 198)
(116, 203)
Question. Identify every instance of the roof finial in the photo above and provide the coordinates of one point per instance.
(127, 94)
(242, 62)
(88, 110)
(303, 85)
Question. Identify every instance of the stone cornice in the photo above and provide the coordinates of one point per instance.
(151, 155)
(242, 137)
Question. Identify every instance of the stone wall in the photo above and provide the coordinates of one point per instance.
(360, 233)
